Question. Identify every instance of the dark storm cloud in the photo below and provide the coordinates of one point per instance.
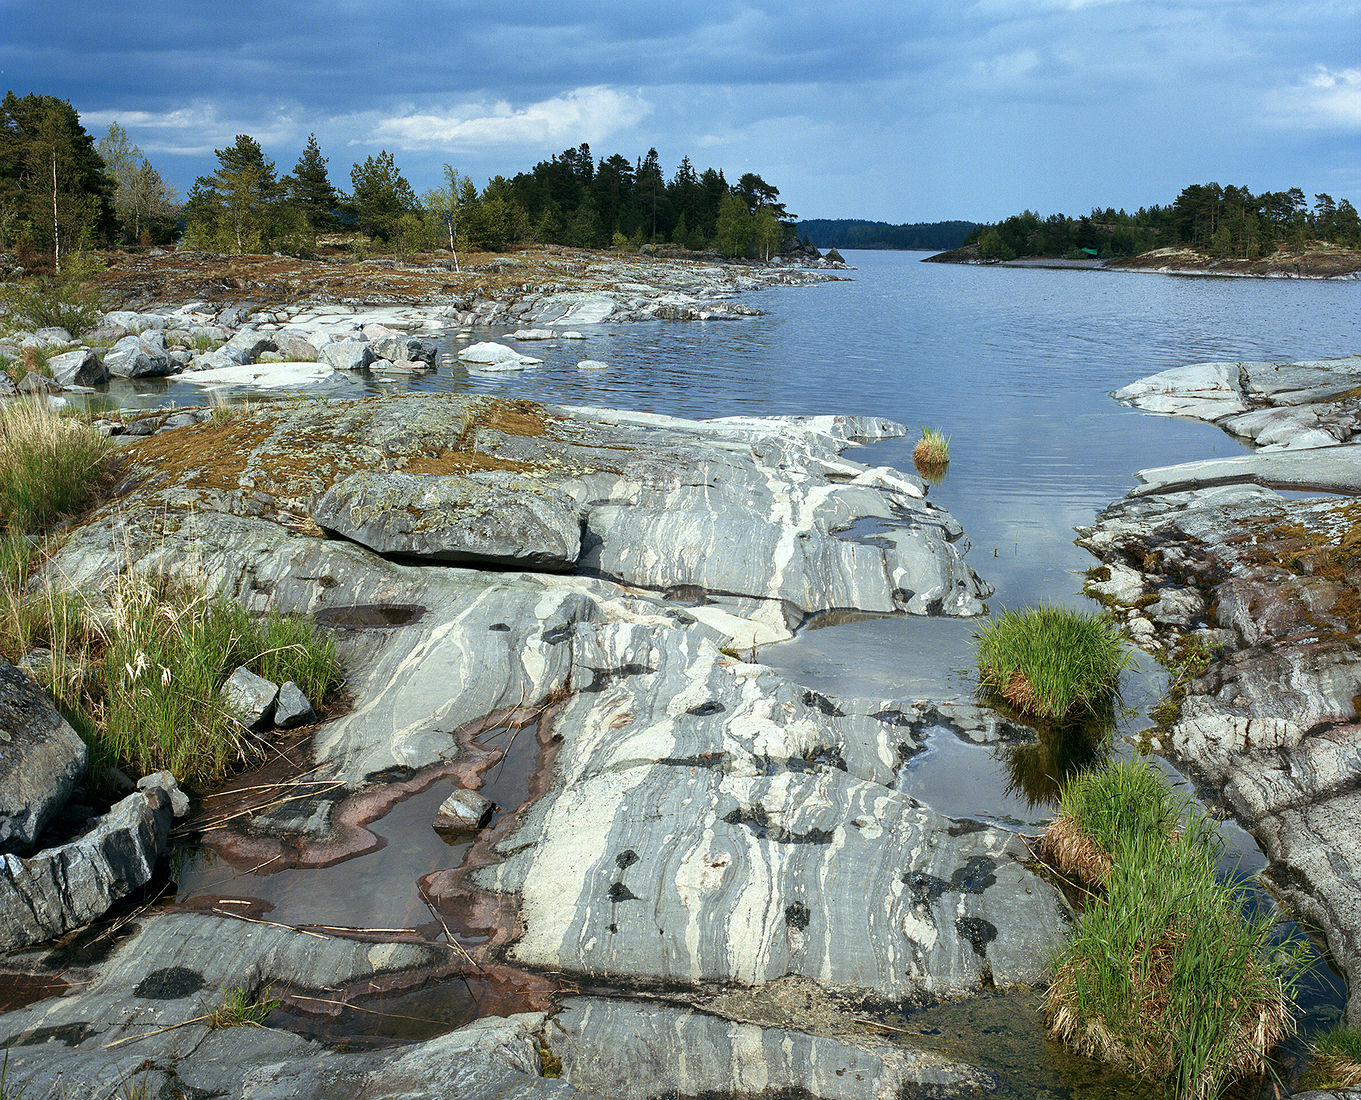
(901, 111)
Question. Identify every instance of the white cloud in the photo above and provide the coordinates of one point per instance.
(195, 130)
(584, 114)
(1329, 99)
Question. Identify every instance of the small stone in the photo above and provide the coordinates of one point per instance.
(251, 696)
(592, 364)
(179, 801)
(292, 708)
(464, 810)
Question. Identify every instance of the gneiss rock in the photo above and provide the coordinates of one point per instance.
(41, 758)
(139, 357)
(489, 355)
(481, 517)
(464, 810)
(62, 888)
(251, 697)
(292, 708)
(78, 368)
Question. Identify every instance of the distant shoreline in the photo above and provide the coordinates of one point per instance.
(1320, 263)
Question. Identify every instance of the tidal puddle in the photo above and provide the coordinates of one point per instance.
(377, 890)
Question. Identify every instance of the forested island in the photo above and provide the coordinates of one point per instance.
(856, 233)
(62, 191)
(1222, 223)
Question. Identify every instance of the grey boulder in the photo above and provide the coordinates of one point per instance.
(464, 810)
(78, 368)
(251, 697)
(138, 357)
(62, 888)
(292, 708)
(41, 758)
(346, 354)
(486, 518)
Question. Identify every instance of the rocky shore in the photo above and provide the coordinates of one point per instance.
(1315, 263)
(710, 862)
(1266, 585)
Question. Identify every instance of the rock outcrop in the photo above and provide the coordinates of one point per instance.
(41, 760)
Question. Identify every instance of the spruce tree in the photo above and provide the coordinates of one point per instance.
(310, 189)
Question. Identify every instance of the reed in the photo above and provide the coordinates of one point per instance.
(50, 465)
(932, 452)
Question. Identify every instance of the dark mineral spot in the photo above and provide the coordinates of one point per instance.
(796, 915)
(892, 717)
(818, 701)
(169, 984)
(973, 878)
(627, 858)
(500, 628)
(369, 616)
(703, 710)
(557, 634)
(963, 827)
(71, 1034)
(620, 892)
(603, 677)
(758, 821)
(977, 931)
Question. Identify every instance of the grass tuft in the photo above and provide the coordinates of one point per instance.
(932, 452)
(1051, 662)
(1165, 972)
(1335, 1060)
(50, 465)
(239, 1009)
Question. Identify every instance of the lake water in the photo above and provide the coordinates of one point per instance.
(1015, 365)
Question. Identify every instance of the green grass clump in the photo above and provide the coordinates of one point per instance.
(1165, 972)
(1103, 811)
(166, 657)
(1051, 662)
(1334, 1060)
(932, 452)
(239, 1009)
(50, 465)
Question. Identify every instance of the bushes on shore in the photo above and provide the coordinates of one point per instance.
(1051, 662)
(1165, 971)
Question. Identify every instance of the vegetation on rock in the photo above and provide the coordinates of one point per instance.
(1051, 662)
(1335, 1060)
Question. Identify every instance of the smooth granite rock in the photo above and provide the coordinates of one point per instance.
(41, 759)
(347, 355)
(489, 355)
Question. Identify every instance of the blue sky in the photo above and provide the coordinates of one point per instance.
(899, 111)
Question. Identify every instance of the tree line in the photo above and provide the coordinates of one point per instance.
(1223, 222)
(855, 233)
(62, 191)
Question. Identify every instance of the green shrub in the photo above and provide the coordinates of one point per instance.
(1165, 973)
(50, 465)
(1334, 1060)
(238, 1009)
(1051, 662)
(43, 302)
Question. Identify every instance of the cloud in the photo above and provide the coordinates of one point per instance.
(194, 130)
(589, 114)
(1329, 99)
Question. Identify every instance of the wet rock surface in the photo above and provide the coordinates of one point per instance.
(1270, 587)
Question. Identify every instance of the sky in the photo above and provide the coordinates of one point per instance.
(893, 110)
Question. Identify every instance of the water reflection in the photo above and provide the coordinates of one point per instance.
(1037, 770)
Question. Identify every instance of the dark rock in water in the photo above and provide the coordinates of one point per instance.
(41, 758)
(464, 810)
(251, 697)
(62, 888)
(832, 256)
(492, 517)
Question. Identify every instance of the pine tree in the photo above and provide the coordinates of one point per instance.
(381, 195)
(310, 189)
